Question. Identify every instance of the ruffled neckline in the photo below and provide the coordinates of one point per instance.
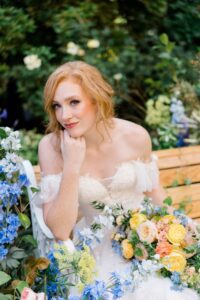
(111, 179)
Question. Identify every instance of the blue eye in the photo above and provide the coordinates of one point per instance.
(74, 102)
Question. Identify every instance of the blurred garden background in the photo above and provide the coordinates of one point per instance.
(148, 50)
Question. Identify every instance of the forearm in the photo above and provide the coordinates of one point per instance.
(158, 195)
(62, 213)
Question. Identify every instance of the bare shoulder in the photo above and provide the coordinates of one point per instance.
(136, 137)
(49, 154)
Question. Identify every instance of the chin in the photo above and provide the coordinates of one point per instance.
(75, 134)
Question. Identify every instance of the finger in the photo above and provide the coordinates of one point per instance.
(66, 135)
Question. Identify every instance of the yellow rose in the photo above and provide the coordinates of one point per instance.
(176, 234)
(136, 220)
(127, 249)
(174, 262)
(167, 218)
(119, 220)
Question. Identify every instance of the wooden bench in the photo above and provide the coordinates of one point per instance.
(179, 174)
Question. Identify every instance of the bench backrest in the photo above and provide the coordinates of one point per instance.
(179, 174)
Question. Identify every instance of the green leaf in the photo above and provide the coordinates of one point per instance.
(24, 219)
(3, 134)
(19, 254)
(12, 263)
(138, 252)
(34, 189)
(168, 201)
(187, 181)
(4, 277)
(21, 285)
(6, 297)
(29, 239)
(164, 39)
(175, 183)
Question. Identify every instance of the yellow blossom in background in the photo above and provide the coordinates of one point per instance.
(136, 220)
(176, 233)
(158, 111)
(81, 52)
(93, 43)
(120, 21)
(174, 262)
(127, 249)
(74, 49)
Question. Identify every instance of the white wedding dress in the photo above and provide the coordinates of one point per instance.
(127, 187)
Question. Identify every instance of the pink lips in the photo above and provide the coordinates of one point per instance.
(71, 125)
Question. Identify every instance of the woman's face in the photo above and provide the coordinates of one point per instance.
(74, 109)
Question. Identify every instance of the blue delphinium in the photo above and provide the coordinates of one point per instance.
(183, 218)
(94, 291)
(116, 247)
(116, 288)
(12, 184)
(175, 278)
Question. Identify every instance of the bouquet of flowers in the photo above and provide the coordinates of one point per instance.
(16, 241)
(165, 239)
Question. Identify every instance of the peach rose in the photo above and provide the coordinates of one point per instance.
(147, 232)
(163, 248)
(28, 294)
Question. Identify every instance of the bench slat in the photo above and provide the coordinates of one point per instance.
(181, 174)
(179, 158)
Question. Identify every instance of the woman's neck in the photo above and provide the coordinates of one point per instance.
(98, 136)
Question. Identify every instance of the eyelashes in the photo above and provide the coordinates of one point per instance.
(73, 102)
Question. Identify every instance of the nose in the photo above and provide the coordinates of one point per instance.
(66, 113)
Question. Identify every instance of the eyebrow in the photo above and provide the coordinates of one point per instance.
(67, 98)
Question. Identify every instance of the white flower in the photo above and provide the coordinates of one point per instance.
(93, 44)
(81, 52)
(118, 76)
(12, 142)
(70, 245)
(72, 48)
(32, 62)
(157, 256)
(107, 210)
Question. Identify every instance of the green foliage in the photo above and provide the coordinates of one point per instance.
(30, 140)
(139, 62)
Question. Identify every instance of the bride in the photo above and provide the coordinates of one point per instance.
(88, 155)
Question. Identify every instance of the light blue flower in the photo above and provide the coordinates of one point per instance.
(23, 180)
(73, 298)
(94, 291)
(3, 252)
